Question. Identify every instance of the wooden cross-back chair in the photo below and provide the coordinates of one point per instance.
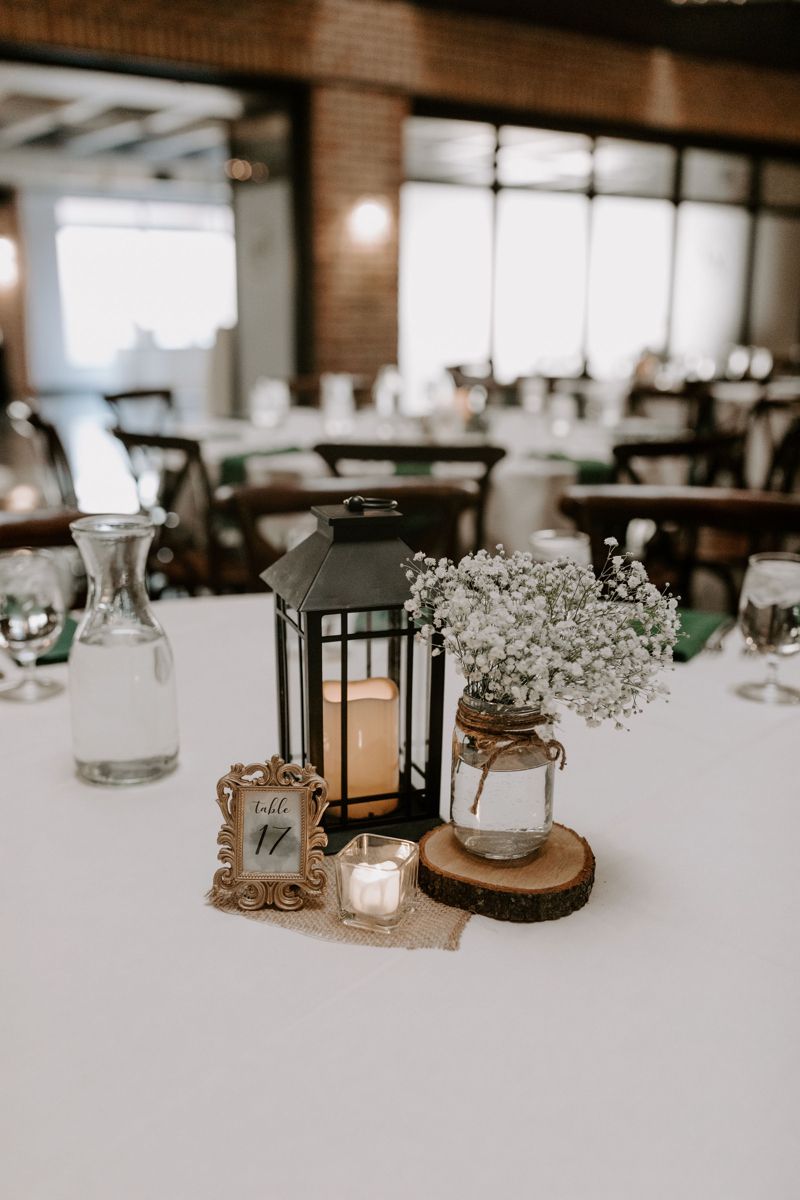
(193, 547)
(709, 459)
(149, 405)
(497, 393)
(784, 470)
(55, 459)
(694, 397)
(750, 521)
(432, 511)
(407, 457)
(770, 423)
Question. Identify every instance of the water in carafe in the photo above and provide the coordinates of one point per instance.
(124, 726)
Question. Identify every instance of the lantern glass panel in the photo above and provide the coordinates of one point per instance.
(294, 747)
(331, 650)
(371, 650)
(416, 733)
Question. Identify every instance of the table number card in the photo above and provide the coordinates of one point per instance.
(271, 840)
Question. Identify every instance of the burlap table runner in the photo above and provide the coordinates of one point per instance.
(431, 926)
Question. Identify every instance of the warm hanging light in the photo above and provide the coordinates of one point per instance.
(370, 221)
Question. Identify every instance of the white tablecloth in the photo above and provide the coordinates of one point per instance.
(644, 1047)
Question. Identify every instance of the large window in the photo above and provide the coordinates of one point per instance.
(555, 253)
(710, 271)
(445, 278)
(128, 268)
(540, 270)
(629, 277)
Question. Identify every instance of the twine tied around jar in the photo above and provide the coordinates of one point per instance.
(495, 733)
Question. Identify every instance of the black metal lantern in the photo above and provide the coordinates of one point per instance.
(358, 695)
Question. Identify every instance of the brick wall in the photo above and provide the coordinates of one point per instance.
(393, 46)
(365, 60)
(356, 153)
(12, 305)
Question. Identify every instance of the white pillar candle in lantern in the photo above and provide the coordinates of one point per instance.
(373, 756)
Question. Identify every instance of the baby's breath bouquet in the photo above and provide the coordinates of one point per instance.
(544, 635)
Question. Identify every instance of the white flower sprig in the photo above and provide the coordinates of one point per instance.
(549, 634)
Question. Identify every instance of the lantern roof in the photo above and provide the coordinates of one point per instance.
(353, 561)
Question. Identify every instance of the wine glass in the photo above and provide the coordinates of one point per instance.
(31, 618)
(769, 615)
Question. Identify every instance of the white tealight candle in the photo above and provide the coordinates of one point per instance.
(375, 889)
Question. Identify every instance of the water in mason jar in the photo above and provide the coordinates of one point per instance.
(770, 613)
(518, 805)
(124, 720)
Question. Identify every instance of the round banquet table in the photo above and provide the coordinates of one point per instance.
(643, 1047)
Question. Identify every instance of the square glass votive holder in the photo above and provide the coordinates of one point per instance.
(376, 881)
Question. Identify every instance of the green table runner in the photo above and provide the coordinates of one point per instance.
(590, 470)
(233, 469)
(60, 652)
(696, 628)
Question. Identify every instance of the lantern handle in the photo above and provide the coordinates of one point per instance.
(359, 503)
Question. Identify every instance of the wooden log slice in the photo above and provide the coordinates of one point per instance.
(552, 883)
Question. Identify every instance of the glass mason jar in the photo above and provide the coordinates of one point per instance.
(121, 674)
(501, 794)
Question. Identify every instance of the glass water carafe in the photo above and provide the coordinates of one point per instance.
(121, 674)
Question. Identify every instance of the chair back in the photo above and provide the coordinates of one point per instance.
(432, 512)
(145, 408)
(410, 456)
(481, 375)
(55, 458)
(709, 460)
(697, 529)
(784, 469)
(174, 489)
(694, 398)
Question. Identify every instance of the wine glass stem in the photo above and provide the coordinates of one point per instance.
(27, 665)
(772, 671)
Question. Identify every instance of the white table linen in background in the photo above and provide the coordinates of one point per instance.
(523, 497)
(645, 1046)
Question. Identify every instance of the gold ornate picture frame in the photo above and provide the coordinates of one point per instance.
(271, 842)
